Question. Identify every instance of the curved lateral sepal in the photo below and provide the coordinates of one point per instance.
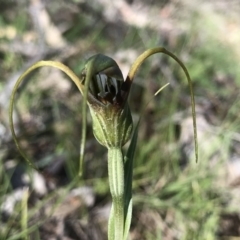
(151, 52)
(73, 77)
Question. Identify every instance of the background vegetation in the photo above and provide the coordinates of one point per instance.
(174, 198)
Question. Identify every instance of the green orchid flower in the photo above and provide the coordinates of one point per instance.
(105, 92)
(112, 120)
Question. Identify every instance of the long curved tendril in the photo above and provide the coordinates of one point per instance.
(138, 63)
(79, 85)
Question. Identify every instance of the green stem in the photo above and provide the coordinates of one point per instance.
(116, 182)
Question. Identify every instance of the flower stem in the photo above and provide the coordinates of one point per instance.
(116, 182)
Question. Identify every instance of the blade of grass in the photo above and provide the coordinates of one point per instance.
(128, 172)
(24, 215)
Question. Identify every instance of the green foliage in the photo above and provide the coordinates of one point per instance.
(106, 93)
(182, 199)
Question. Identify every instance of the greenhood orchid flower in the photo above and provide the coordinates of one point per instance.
(105, 92)
(112, 120)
